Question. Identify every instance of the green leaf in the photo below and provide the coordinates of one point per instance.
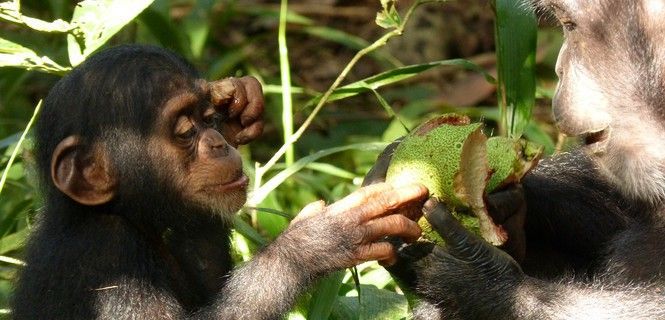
(389, 18)
(516, 35)
(13, 241)
(96, 21)
(197, 26)
(373, 303)
(247, 231)
(396, 75)
(325, 296)
(15, 55)
(258, 195)
(11, 11)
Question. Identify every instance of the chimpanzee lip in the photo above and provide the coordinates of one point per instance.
(595, 137)
(597, 140)
(240, 180)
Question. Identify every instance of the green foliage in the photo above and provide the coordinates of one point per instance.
(96, 21)
(516, 33)
(317, 157)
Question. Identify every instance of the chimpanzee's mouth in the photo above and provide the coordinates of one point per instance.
(238, 181)
(596, 141)
(594, 137)
(239, 178)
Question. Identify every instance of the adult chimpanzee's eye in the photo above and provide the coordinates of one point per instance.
(563, 17)
(569, 25)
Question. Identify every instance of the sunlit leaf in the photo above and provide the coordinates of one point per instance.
(399, 74)
(15, 55)
(97, 21)
(389, 17)
(258, 195)
(11, 11)
(372, 303)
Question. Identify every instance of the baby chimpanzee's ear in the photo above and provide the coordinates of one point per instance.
(85, 178)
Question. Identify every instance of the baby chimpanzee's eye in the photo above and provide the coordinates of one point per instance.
(185, 129)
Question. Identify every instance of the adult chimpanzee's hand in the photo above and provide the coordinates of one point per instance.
(241, 99)
(353, 230)
(378, 171)
(449, 274)
(508, 209)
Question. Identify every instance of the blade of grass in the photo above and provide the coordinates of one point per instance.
(3, 179)
(285, 72)
(388, 108)
(325, 296)
(516, 34)
(397, 75)
(262, 192)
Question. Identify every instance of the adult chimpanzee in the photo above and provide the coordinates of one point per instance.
(593, 242)
(140, 182)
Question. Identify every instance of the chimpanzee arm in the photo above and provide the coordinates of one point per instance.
(469, 279)
(320, 240)
(264, 288)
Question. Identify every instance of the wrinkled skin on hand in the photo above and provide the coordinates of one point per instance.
(241, 99)
(353, 230)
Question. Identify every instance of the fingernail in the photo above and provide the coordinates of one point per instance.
(429, 206)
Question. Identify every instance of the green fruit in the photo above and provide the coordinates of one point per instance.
(458, 164)
(504, 162)
(433, 154)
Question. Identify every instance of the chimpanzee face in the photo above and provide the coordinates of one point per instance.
(199, 163)
(611, 81)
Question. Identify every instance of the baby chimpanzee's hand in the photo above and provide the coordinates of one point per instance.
(241, 100)
(354, 229)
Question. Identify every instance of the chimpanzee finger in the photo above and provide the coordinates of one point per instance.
(377, 200)
(413, 211)
(506, 203)
(407, 255)
(378, 172)
(460, 242)
(250, 133)
(381, 251)
(516, 244)
(255, 103)
(393, 225)
(221, 91)
(239, 101)
(310, 210)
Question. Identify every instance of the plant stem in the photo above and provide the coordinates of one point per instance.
(288, 144)
(18, 146)
(285, 71)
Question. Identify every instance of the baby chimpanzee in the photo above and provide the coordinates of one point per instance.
(137, 161)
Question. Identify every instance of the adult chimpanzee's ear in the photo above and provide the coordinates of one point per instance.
(84, 178)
